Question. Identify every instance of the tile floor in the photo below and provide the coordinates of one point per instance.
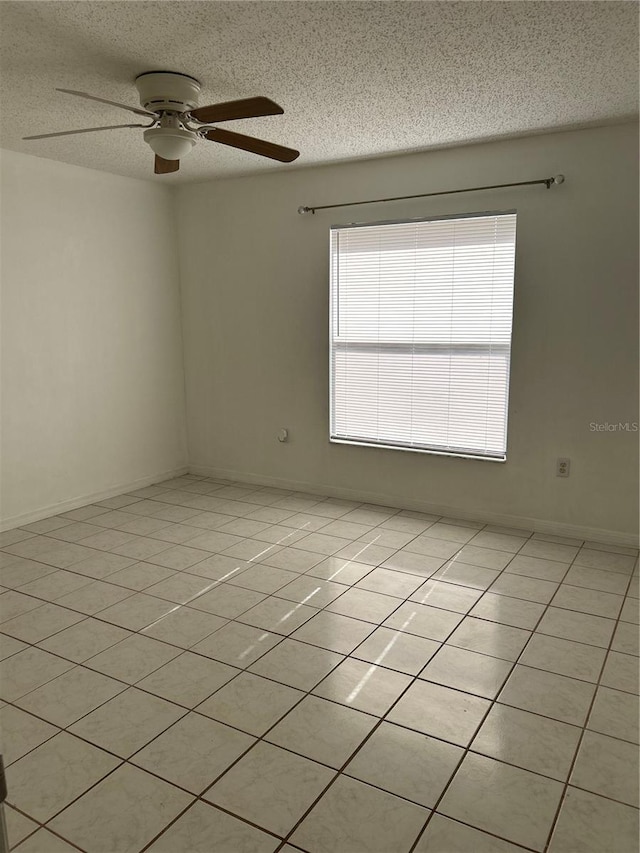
(210, 667)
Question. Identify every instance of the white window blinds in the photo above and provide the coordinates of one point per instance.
(421, 334)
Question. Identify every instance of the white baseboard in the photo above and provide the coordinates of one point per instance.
(538, 525)
(83, 500)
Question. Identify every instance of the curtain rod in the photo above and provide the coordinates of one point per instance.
(556, 179)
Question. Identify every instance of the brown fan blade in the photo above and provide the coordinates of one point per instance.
(250, 143)
(164, 167)
(247, 108)
(105, 101)
(84, 130)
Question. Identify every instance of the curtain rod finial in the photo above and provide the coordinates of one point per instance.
(558, 179)
(302, 210)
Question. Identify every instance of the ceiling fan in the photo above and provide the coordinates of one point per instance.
(170, 100)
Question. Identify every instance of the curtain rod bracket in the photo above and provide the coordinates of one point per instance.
(548, 182)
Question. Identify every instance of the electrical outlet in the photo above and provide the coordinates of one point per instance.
(563, 467)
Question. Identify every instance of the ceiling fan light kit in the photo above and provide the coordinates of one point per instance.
(170, 99)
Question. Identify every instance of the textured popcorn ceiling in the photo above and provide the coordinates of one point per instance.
(356, 79)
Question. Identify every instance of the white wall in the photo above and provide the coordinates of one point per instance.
(254, 277)
(92, 371)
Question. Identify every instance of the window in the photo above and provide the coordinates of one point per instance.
(421, 334)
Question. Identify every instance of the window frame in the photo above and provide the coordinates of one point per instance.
(462, 453)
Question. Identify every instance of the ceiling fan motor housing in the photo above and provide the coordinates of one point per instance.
(167, 91)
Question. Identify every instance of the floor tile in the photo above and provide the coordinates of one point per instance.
(508, 611)
(28, 669)
(487, 558)
(615, 713)
(193, 752)
(446, 596)
(277, 615)
(220, 568)
(444, 835)
(390, 582)
(588, 601)
(263, 578)
(255, 551)
(607, 766)
(250, 703)
(40, 623)
(227, 601)
(612, 582)
(536, 567)
(184, 627)
(414, 564)
(141, 548)
(592, 824)
(365, 552)
(44, 841)
(621, 672)
(346, 529)
(315, 592)
(386, 538)
(356, 817)
(515, 804)
(451, 532)
(146, 717)
(278, 534)
(334, 632)
(270, 787)
(18, 571)
(321, 543)
(290, 559)
(605, 561)
(297, 664)
(406, 763)
(188, 679)
(84, 640)
(528, 740)
(549, 550)
(323, 731)
(440, 711)
(626, 639)
(498, 541)
(13, 604)
(423, 621)
(530, 589)
(10, 646)
(363, 686)
(549, 694)
(181, 588)
(396, 650)
(21, 732)
(581, 627)
(100, 566)
(204, 828)
(124, 812)
(565, 657)
(470, 671)
(339, 570)
(238, 645)
(630, 611)
(51, 776)
(18, 826)
(94, 597)
(466, 575)
(137, 611)
(54, 585)
(133, 658)
(70, 696)
(489, 638)
(365, 605)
